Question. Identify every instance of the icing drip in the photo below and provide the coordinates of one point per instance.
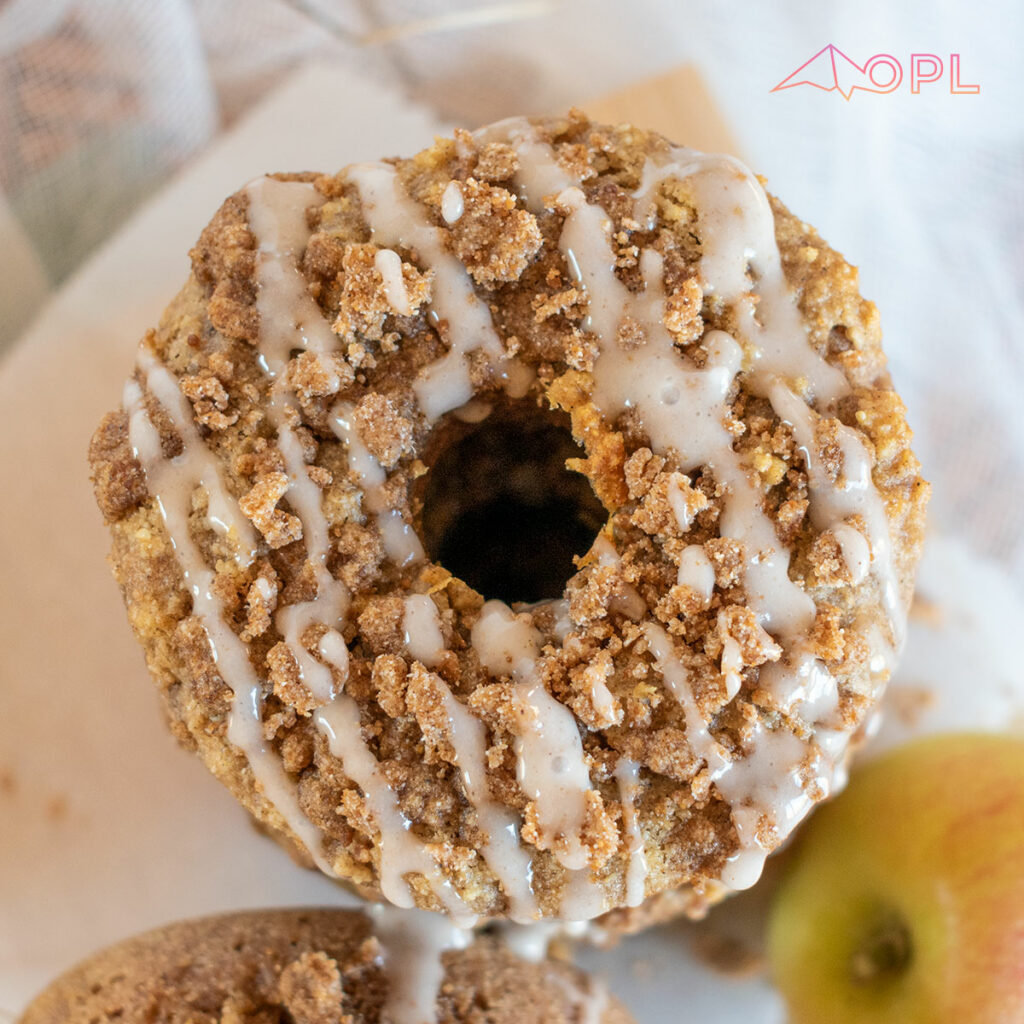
(422, 626)
(395, 219)
(856, 551)
(290, 319)
(552, 768)
(222, 512)
(289, 316)
(333, 650)
(628, 601)
(388, 264)
(172, 482)
(691, 424)
(737, 236)
(768, 784)
(696, 571)
(401, 542)
(531, 941)
(412, 944)
(677, 679)
(853, 494)
(452, 205)
(503, 852)
(583, 899)
(401, 852)
(781, 776)
(330, 604)
(627, 775)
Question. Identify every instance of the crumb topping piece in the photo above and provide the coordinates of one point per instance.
(494, 237)
(376, 283)
(260, 505)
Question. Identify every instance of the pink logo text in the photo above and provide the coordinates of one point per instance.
(832, 71)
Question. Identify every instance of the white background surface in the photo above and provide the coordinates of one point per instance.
(107, 828)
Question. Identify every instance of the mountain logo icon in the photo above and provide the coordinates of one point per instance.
(832, 71)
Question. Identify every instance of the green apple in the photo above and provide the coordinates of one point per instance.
(904, 899)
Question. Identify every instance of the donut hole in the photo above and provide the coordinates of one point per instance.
(501, 511)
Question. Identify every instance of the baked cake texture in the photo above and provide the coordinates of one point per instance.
(523, 529)
(313, 967)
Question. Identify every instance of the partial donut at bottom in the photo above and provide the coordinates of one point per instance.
(313, 967)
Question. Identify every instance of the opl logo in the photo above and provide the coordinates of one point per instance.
(831, 70)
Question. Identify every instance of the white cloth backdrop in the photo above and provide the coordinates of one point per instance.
(100, 100)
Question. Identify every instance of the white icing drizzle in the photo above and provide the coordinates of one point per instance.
(172, 482)
(856, 551)
(422, 630)
(401, 542)
(552, 768)
(803, 685)
(222, 512)
(531, 941)
(853, 494)
(290, 319)
(627, 775)
(503, 851)
(696, 571)
(412, 944)
(401, 852)
(737, 231)
(333, 649)
(289, 316)
(583, 899)
(767, 782)
(388, 264)
(540, 176)
(677, 679)
(563, 621)
(452, 204)
(628, 601)
(693, 425)
(274, 216)
(603, 701)
(681, 511)
(731, 663)
(395, 219)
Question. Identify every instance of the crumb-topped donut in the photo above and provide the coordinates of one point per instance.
(318, 967)
(389, 408)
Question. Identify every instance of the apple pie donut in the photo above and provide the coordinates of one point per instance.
(522, 529)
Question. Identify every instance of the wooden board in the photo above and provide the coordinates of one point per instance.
(677, 104)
